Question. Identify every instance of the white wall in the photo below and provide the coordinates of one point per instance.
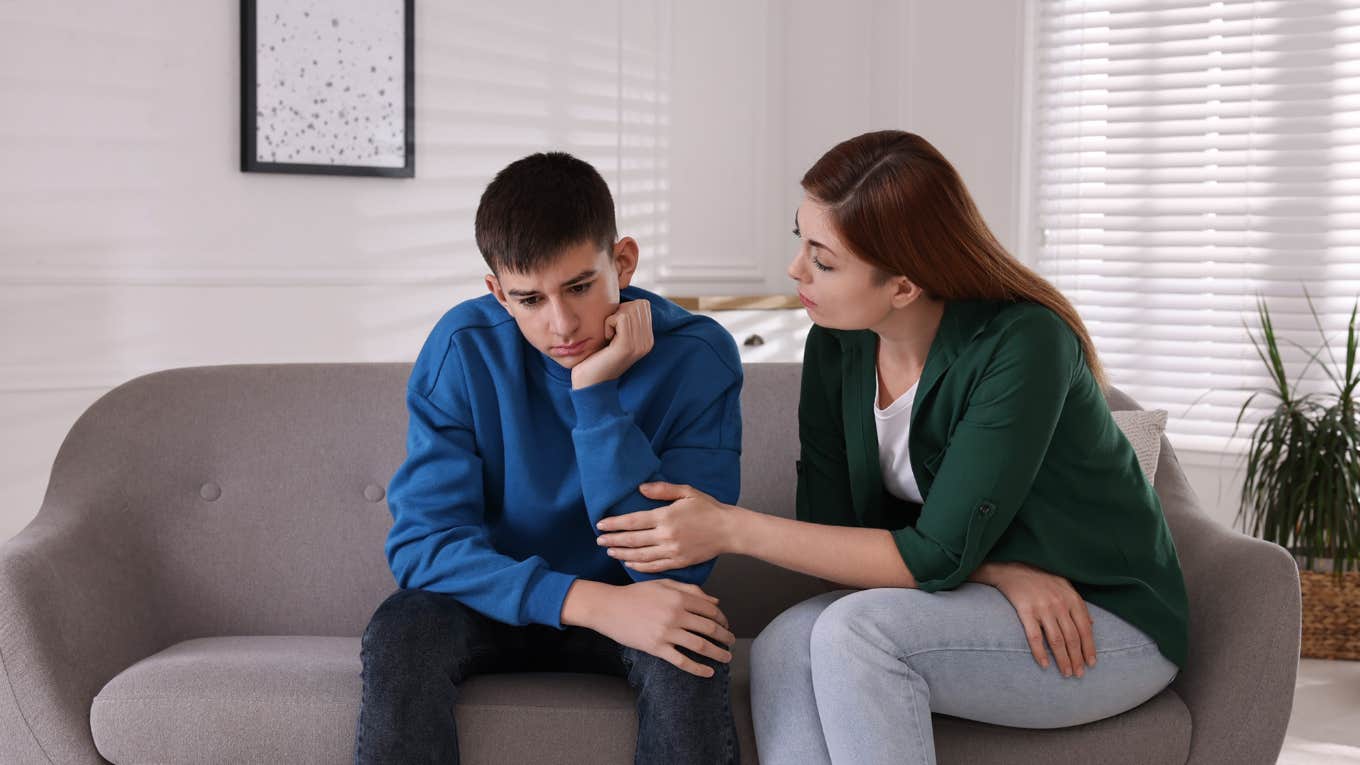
(954, 73)
(760, 89)
(130, 242)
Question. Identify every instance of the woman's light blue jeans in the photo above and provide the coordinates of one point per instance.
(852, 676)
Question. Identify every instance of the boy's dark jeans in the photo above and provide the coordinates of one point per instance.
(420, 646)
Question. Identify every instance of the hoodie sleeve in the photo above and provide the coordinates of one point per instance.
(439, 540)
(704, 451)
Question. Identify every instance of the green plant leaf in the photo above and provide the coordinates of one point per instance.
(1301, 483)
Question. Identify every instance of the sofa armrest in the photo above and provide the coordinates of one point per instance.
(1245, 613)
(74, 612)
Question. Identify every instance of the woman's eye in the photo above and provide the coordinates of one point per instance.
(796, 233)
(819, 265)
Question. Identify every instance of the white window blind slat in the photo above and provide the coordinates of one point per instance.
(1187, 157)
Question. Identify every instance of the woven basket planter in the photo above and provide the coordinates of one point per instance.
(1331, 615)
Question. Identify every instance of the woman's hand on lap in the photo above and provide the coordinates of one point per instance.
(1051, 609)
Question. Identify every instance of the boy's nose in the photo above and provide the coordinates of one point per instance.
(564, 321)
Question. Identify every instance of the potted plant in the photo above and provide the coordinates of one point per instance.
(1302, 485)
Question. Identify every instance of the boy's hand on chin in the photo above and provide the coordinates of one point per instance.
(628, 337)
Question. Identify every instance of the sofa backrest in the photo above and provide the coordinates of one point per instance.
(253, 495)
(752, 592)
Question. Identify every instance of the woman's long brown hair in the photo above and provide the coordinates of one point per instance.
(903, 208)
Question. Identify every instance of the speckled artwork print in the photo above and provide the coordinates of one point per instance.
(330, 82)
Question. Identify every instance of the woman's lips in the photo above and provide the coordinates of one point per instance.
(806, 303)
(569, 350)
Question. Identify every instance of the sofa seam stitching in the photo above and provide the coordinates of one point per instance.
(1099, 653)
(9, 683)
(466, 705)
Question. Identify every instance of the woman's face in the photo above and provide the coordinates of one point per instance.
(838, 288)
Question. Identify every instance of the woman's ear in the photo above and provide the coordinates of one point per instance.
(625, 259)
(904, 292)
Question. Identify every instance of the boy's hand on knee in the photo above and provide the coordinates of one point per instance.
(628, 334)
(658, 617)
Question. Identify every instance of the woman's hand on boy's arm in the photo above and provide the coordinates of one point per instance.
(695, 524)
(692, 529)
(628, 337)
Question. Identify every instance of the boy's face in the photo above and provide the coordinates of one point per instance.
(561, 307)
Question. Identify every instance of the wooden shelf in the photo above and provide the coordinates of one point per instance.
(738, 303)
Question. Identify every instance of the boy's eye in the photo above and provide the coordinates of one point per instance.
(580, 289)
(530, 301)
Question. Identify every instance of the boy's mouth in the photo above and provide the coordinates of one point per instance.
(569, 350)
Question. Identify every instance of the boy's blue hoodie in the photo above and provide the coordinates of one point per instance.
(508, 469)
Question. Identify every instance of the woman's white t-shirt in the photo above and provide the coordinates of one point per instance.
(894, 425)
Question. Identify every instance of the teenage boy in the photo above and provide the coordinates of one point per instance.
(535, 412)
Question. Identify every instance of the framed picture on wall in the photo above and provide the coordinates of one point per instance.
(328, 87)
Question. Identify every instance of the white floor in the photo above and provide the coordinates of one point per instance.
(1325, 726)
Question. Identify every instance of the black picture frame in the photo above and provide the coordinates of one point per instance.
(250, 156)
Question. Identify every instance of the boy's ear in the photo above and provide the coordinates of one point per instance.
(493, 285)
(625, 259)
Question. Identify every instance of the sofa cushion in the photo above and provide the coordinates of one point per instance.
(233, 699)
(1156, 732)
(296, 700)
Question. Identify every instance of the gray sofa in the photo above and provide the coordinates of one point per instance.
(210, 549)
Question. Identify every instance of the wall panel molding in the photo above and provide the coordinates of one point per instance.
(265, 276)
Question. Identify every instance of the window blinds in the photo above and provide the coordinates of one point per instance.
(1186, 157)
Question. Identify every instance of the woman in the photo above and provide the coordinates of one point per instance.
(959, 469)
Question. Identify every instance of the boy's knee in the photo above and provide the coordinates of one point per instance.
(411, 622)
(653, 674)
